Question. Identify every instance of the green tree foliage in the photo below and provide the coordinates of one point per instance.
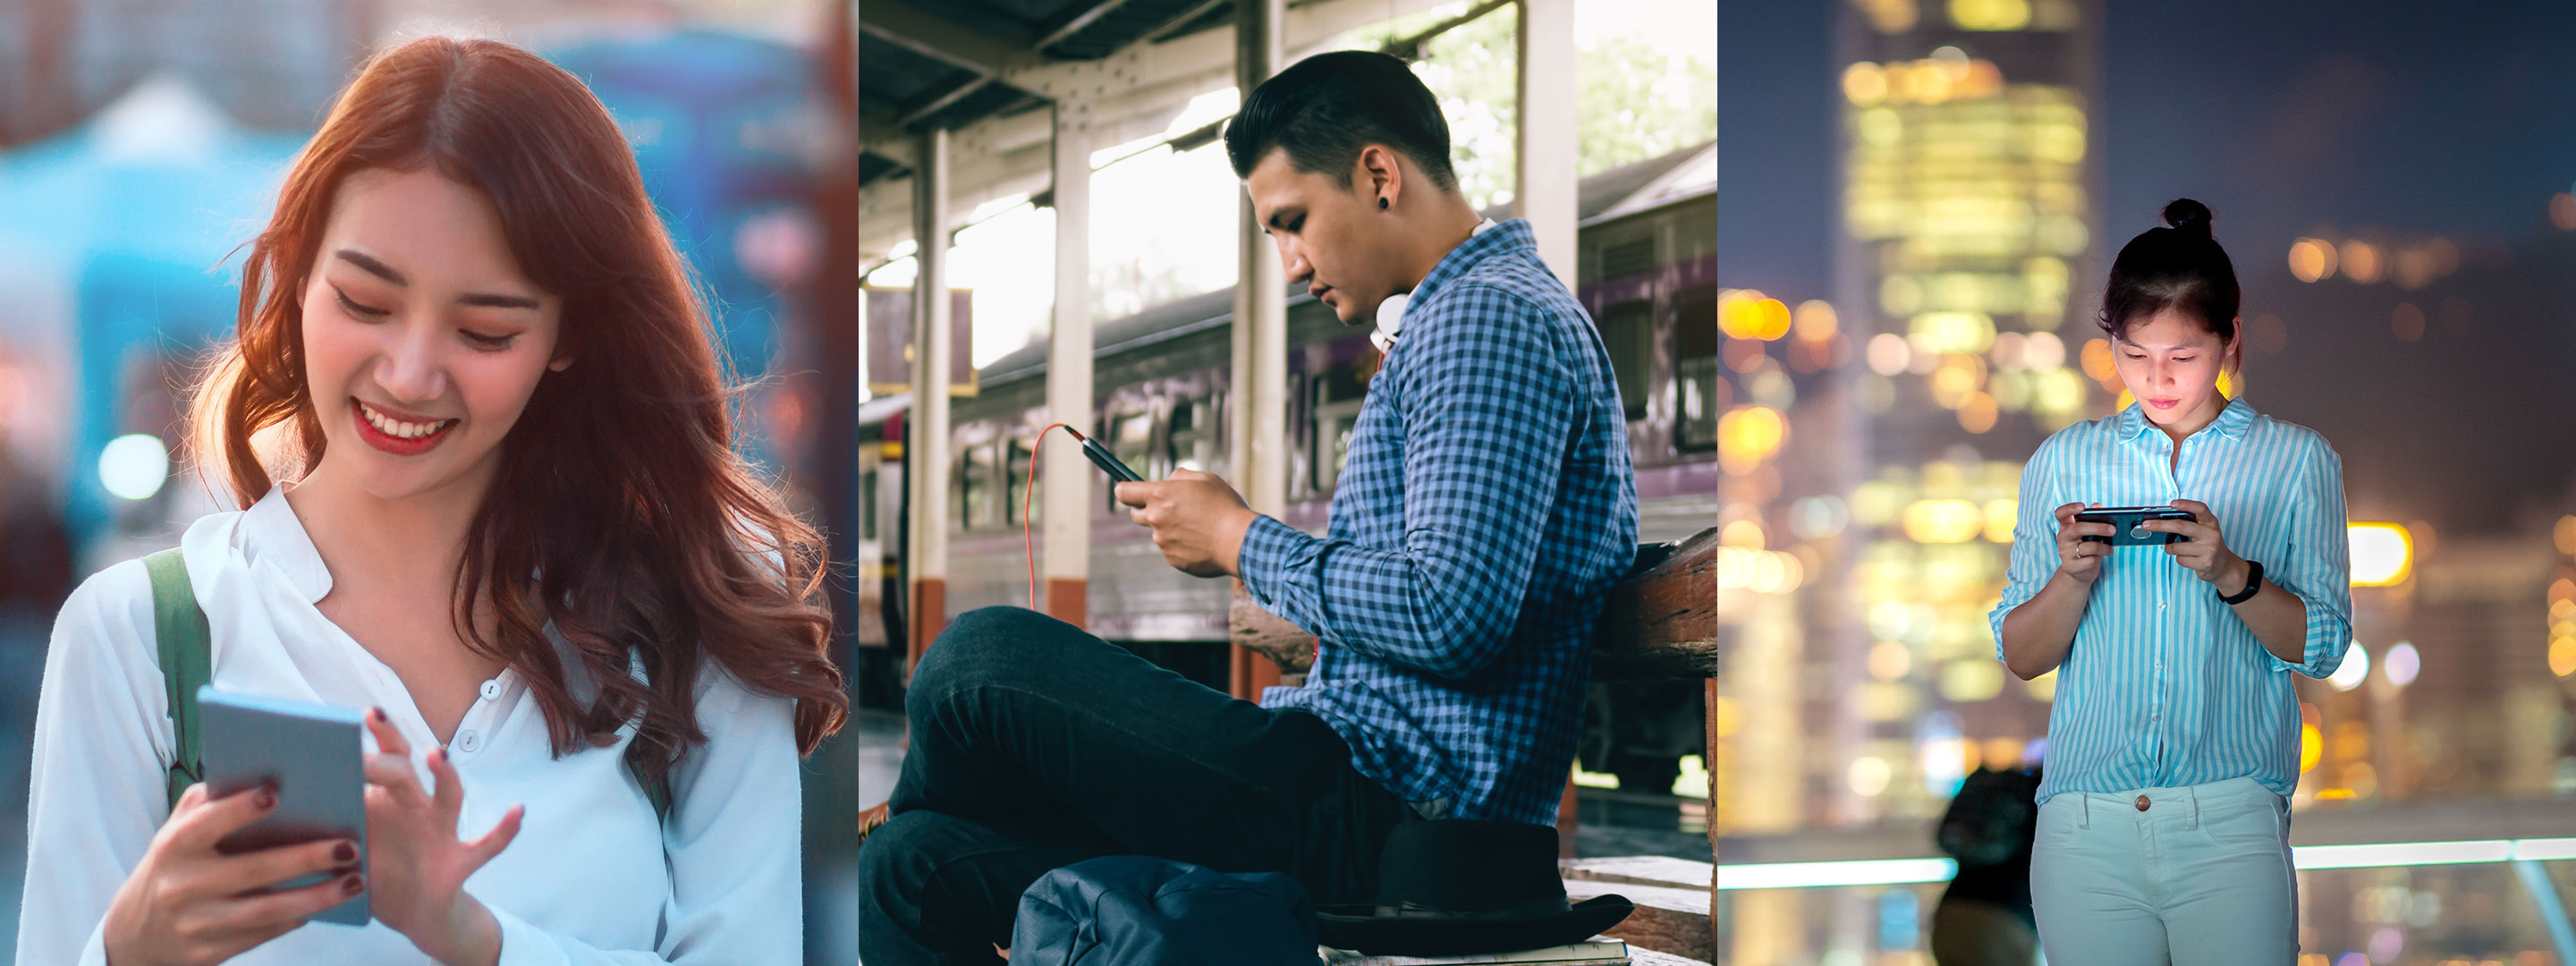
(1633, 100)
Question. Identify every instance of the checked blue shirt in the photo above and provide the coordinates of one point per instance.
(1486, 507)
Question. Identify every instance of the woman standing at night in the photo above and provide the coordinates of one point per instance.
(2173, 743)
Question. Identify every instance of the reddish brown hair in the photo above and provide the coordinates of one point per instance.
(619, 510)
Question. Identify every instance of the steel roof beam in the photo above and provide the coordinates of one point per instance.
(1133, 94)
(1079, 21)
(1185, 67)
(930, 36)
(1164, 32)
(942, 102)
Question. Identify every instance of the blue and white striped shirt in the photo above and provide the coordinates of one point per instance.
(2164, 686)
(1487, 506)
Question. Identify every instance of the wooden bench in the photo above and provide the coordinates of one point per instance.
(1672, 895)
(1659, 622)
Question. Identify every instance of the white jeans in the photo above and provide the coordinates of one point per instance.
(2199, 877)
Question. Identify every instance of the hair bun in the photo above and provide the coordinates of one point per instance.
(2190, 216)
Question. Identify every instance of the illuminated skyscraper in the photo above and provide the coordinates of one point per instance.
(1968, 266)
(1872, 444)
(1967, 235)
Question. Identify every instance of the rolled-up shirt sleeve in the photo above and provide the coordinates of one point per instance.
(1487, 410)
(2317, 569)
(2034, 546)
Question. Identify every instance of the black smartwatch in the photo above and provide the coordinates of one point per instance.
(2253, 582)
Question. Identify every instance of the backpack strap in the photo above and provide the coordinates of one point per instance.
(187, 661)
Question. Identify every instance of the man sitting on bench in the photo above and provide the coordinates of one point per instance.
(1486, 506)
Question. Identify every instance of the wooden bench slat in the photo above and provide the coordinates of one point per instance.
(1654, 870)
(1663, 623)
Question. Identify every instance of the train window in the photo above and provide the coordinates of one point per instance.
(1015, 481)
(868, 505)
(1338, 394)
(975, 488)
(1193, 435)
(1628, 331)
(1695, 368)
(1631, 258)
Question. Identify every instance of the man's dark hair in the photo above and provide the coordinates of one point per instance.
(1326, 108)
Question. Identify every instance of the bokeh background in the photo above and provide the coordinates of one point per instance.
(141, 145)
(1920, 201)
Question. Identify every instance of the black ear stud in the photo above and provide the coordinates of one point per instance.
(1381, 204)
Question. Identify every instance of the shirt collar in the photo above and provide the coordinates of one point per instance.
(1390, 312)
(271, 532)
(1503, 238)
(2231, 422)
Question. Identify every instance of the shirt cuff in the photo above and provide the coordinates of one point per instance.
(526, 945)
(1267, 547)
(2322, 650)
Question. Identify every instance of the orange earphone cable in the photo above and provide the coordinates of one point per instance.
(1029, 491)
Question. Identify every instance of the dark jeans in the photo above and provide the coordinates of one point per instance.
(1036, 745)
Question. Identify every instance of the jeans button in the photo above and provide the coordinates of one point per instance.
(2142, 803)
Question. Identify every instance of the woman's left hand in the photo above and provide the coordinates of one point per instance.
(2206, 555)
(416, 869)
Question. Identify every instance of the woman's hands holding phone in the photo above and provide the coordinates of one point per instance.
(2206, 555)
(2080, 559)
(419, 866)
(186, 903)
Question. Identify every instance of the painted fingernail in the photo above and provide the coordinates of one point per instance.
(438, 756)
(344, 852)
(376, 713)
(266, 800)
(353, 885)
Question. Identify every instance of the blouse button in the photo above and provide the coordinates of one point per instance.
(466, 741)
(492, 689)
(2142, 803)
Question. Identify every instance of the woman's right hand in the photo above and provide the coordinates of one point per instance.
(185, 903)
(2077, 557)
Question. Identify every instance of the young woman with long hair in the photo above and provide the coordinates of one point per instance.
(2173, 741)
(482, 442)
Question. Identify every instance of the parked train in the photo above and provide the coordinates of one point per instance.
(1646, 271)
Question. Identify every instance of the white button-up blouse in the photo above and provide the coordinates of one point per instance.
(592, 877)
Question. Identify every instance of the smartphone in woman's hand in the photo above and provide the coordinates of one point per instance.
(311, 755)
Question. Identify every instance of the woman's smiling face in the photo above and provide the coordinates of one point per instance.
(422, 337)
(2171, 363)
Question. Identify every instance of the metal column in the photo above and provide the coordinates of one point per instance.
(1543, 141)
(1257, 410)
(926, 435)
(1544, 190)
(1068, 504)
